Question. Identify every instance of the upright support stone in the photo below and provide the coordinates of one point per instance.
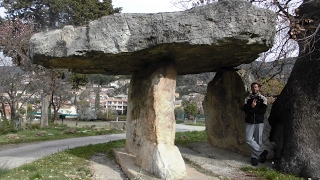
(151, 122)
(222, 108)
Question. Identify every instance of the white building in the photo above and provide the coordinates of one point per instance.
(119, 105)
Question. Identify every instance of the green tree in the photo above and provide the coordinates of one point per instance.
(57, 13)
(78, 80)
(178, 112)
(191, 109)
(100, 79)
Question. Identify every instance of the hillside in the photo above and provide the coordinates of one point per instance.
(197, 83)
(280, 69)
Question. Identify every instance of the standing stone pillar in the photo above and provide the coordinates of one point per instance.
(222, 108)
(151, 122)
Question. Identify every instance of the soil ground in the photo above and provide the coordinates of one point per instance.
(203, 161)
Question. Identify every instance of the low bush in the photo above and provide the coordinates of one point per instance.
(34, 126)
(6, 127)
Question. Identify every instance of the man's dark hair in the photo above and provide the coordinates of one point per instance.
(255, 83)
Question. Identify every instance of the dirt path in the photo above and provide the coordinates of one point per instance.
(105, 168)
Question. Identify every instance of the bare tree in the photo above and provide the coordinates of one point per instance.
(83, 107)
(55, 89)
(17, 82)
(17, 87)
(62, 91)
(275, 61)
(14, 40)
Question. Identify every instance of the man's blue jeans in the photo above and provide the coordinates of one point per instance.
(253, 133)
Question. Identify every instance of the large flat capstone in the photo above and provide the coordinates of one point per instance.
(203, 39)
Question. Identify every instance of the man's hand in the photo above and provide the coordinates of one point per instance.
(254, 103)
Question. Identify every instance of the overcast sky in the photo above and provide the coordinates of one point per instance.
(145, 6)
(138, 6)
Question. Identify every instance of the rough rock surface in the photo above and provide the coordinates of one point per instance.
(222, 108)
(151, 123)
(203, 39)
(12, 136)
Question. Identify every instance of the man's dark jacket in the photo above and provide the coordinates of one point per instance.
(255, 115)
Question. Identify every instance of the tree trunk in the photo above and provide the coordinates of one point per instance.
(13, 110)
(3, 110)
(97, 101)
(55, 115)
(44, 110)
(55, 108)
(295, 114)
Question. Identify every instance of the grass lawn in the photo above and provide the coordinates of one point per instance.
(65, 165)
(270, 174)
(191, 122)
(54, 132)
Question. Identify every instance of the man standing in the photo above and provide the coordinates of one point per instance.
(255, 107)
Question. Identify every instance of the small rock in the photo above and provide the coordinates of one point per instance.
(96, 128)
(69, 131)
(41, 133)
(12, 136)
(86, 126)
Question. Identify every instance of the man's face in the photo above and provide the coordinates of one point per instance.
(255, 89)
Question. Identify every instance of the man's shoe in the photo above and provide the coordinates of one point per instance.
(254, 161)
(263, 156)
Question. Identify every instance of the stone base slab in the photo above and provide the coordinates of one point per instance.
(127, 163)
